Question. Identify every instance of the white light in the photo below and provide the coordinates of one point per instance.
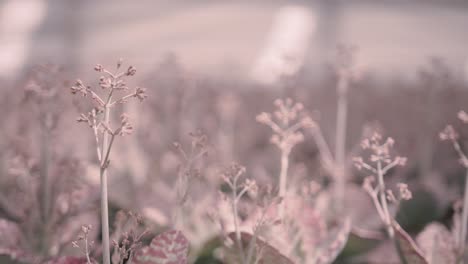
(287, 44)
(18, 20)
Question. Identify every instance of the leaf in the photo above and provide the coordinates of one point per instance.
(335, 243)
(170, 247)
(69, 260)
(411, 253)
(437, 244)
(268, 254)
(313, 229)
(17, 254)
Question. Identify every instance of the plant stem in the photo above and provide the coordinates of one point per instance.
(340, 140)
(45, 188)
(236, 223)
(104, 203)
(283, 178)
(383, 201)
(88, 260)
(464, 221)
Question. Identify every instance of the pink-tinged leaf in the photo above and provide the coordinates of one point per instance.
(334, 244)
(264, 252)
(437, 244)
(313, 229)
(407, 247)
(69, 260)
(170, 247)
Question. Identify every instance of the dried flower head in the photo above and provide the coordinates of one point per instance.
(448, 133)
(380, 153)
(80, 88)
(286, 121)
(83, 239)
(140, 93)
(131, 71)
(405, 193)
(125, 127)
(232, 173)
(99, 68)
(463, 116)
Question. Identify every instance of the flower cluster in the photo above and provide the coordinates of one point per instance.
(450, 134)
(87, 245)
(404, 194)
(231, 176)
(380, 154)
(113, 83)
(286, 122)
(380, 162)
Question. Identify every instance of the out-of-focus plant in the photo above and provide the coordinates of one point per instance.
(170, 247)
(99, 120)
(345, 70)
(451, 135)
(127, 236)
(286, 123)
(380, 162)
(188, 172)
(232, 177)
(87, 245)
(41, 196)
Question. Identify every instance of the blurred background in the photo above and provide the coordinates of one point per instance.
(215, 37)
(212, 66)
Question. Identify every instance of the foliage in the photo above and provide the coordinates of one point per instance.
(170, 247)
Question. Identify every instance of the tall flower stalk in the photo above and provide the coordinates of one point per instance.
(99, 120)
(380, 162)
(286, 123)
(345, 70)
(232, 177)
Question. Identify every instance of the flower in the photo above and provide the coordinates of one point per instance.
(131, 71)
(140, 93)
